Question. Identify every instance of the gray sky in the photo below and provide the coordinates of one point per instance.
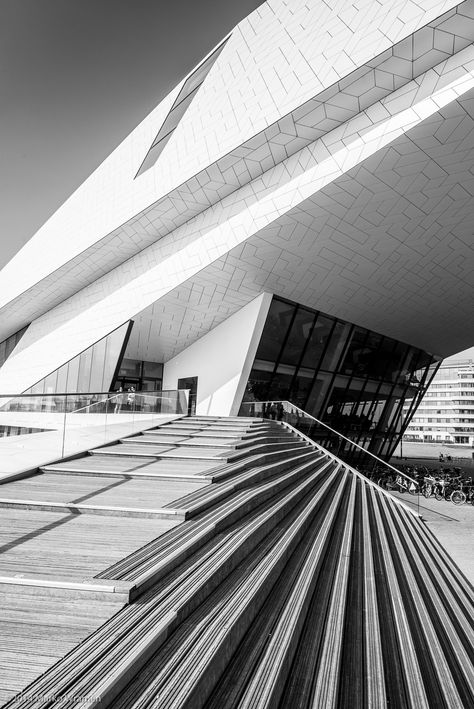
(76, 76)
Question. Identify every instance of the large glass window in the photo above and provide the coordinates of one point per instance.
(336, 346)
(297, 336)
(355, 359)
(317, 342)
(275, 330)
(353, 379)
(144, 376)
(91, 371)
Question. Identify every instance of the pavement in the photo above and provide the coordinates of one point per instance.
(428, 454)
(452, 525)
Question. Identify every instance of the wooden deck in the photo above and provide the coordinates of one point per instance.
(73, 521)
(136, 466)
(292, 582)
(73, 546)
(119, 490)
(40, 626)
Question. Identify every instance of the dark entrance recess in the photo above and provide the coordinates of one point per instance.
(190, 383)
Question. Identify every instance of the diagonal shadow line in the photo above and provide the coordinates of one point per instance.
(37, 532)
(100, 490)
(52, 525)
(137, 467)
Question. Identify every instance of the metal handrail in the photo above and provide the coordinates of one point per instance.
(383, 462)
(157, 393)
(58, 394)
(95, 403)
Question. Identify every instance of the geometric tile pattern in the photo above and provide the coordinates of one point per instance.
(397, 205)
(340, 88)
(362, 211)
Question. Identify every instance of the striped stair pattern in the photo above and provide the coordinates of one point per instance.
(78, 518)
(292, 581)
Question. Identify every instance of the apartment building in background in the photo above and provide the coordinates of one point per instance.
(446, 411)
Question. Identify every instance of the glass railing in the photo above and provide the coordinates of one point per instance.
(74, 422)
(358, 458)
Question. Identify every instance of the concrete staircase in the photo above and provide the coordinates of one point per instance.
(285, 579)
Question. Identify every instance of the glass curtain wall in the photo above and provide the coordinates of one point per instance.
(351, 378)
(144, 376)
(8, 345)
(92, 371)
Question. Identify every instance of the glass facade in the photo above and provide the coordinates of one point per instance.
(91, 371)
(181, 104)
(8, 345)
(144, 376)
(354, 380)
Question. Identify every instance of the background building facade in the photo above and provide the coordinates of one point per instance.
(446, 412)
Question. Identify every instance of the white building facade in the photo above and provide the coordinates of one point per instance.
(446, 412)
(312, 177)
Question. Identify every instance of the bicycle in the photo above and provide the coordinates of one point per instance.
(450, 489)
(428, 486)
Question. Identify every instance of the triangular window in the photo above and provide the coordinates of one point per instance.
(178, 109)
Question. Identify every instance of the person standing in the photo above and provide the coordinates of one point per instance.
(118, 400)
(131, 398)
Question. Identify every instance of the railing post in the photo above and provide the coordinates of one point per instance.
(64, 427)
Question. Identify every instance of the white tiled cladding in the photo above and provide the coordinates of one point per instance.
(221, 360)
(189, 311)
(96, 310)
(388, 245)
(269, 67)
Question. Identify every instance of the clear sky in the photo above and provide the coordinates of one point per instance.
(76, 76)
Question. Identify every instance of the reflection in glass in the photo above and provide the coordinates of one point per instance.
(143, 375)
(275, 330)
(301, 386)
(317, 341)
(298, 334)
(90, 368)
(318, 392)
(335, 346)
(355, 358)
(8, 345)
(353, 379)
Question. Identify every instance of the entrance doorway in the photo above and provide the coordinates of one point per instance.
(191, 384)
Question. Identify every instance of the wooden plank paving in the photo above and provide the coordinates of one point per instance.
(302, 585)
(119, 491)
(45, 553)
(50, 544)
(165, 451)
(134, 466)
(191, 441)
(220, 435)
(38, 627)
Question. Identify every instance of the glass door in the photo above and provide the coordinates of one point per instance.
(191, 384)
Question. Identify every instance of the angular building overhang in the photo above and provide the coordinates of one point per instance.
(341, 79)
(351, 196)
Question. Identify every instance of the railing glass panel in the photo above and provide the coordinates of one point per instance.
(74, 422)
